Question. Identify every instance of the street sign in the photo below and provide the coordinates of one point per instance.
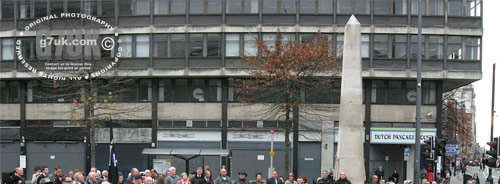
(406, 154)
(271, 153)
(451, 149)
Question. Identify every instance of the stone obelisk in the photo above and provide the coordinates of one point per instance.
(350, 136)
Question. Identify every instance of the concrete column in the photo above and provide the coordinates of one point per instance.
(350, 145)
(410, 165)
(327, 145)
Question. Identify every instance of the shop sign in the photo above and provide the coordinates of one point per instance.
(398, 137)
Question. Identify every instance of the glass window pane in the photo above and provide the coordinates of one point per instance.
(288, 6)
(399, 46)
(362, 6)
(177, 46)
(8, 9)
(234, 6)
(250, 49)
(108, 7)
(414, 46)
(394, 92)
(305, 37)
(166, 90)
(428, 92)
(213, 45)
(182, 93)
(269, 39)
(285, 38)
(24, 9)
(40, 8)
(161, 7)
(125, 7)
(473, 48)
(410, 93)
(178, 7)
(340, 44)
(142, 7)
(142, 45)
(365, 46)
(454, 47)
(378, 95)
(73, 6)
(344, 6)
(196, 45)
(214, 6)
(382, 7)
(126, 44)
(214, 91)
(380, 46)
(145, 90)
(436, 7)
(14, 87)
(26, 48)
(400, 7)
(90, 7)
(196, 6)
(232, 45)
(455, 8)
(414, 7)
(436, 45)
(473, 8)
(7, 49)
(270, 6)
(251, 6)
(325, 6)
(160, 45)
(307, 6)
(56, 7)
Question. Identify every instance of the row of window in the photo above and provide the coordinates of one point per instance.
(199, 90)
(385, 46)
(40, 8)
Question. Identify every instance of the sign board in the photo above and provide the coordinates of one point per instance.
(438, 165)
(308, 159)
(451, 149)
(406, 154)
(398, 137)
(161, 165)
(260, 157)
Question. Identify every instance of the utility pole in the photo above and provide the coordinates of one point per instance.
(492, 112)
(416, 167)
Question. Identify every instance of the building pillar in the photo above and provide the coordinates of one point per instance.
(327, 145)
(368, 103)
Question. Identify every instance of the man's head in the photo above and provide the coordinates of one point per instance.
(291, 176)
(93, 177)
(134, 171)
(172, 170)
(258, 176)
(67, 180)
(300, 180)
(19, 172)
(81, 178)
(424, 180)
(382, 181)
(324, 174)
(93, 169)
(275, 174)
(57, 170)
(380, 168)
(37, 169)
(374, 178)
(199, 171)
(137, 179)
(342, 175)
(105, 173)
(147, 173)
(46, 181)
(208, 174)
(45, 170)
(243, 175)
(168, 173)
(223, 172)
(148, 180)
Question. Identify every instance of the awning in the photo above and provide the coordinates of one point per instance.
(190, 152)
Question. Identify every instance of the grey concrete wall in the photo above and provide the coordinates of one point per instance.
(69, 156)
(9, 156)
(401, 113)
(53, 111)
(10, 112)
(189, 111)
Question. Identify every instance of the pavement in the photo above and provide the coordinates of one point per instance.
(483, 174)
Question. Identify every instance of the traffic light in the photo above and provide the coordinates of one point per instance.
(441, 147)
(429, 148)
(494, 153)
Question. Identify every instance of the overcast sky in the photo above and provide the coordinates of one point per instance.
(491, 45)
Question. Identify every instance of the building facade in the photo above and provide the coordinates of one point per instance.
(180, 55)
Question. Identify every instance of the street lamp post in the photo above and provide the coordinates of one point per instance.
(271, 154)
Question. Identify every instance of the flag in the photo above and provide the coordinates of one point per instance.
(113, 163)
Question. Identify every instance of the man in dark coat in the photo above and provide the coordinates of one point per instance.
(380, 173)
(198, 176)
(207, 179)
(17, 176)
(242, 179)
(324, 178)
(343, 179)
(45, 174)
(274, 179)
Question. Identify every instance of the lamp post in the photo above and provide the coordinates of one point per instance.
(271, 154)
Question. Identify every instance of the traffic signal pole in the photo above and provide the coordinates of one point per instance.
(492, 112)
(416, 168)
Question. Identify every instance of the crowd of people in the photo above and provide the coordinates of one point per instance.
(201, 176)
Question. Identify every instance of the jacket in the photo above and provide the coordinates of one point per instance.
(223, 180)
(204, 181)
(343, 181)
(272, 181)
(172, 179)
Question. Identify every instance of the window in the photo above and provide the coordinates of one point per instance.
(213, 45)
(269, 39)
(399, 46)
(126, 45)
(40, 8)
(9, 91)
(414, 46)
(279, 6)
(436, 7)
(305, 37)
(166, 90)
(160, 45)
(400, 7)
(7, 49)
(378, 95)
(56, 6)
(249, 47)
(142, 7)
(382, 7)
(145, 90)
(353, 6)
(214, 90)
(205, 7)
(394, 91)
(161, 6)
(178, 7)
(190, 90)
(196, 45)
(7, 9)
(90, 7)
(316, 6)
(142, 45)
(473, 8)
(125, 7)
(365, 46)
(428, 92)
(380, 46)
(181, 92)
(232, 45)
(410, 93)
(454, 47)
(472, 48)
(177, 45)
(24, 9)
(26, 48)
(340, 44)
(436, 45)
(455, 8)
(74, 6)
(108, 7)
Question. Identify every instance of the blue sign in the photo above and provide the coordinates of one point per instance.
(407, 150)
(451, 149)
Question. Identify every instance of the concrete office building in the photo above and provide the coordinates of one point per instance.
(183, 51)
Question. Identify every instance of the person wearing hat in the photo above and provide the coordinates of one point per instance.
(137, 179)
(242, 179)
